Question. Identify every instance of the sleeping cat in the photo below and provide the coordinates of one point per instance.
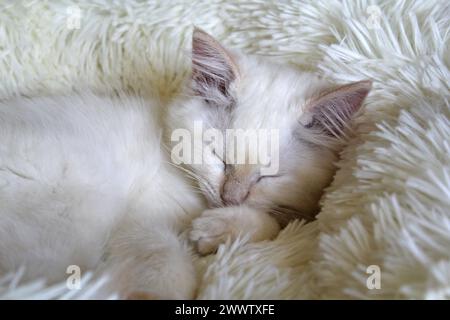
(90, 180)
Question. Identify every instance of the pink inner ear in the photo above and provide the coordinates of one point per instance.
(213, 68)
(209, 68)
(208, 57)
(333, 111)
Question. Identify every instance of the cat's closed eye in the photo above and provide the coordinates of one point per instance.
(219, 157)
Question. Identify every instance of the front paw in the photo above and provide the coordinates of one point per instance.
(210, 230)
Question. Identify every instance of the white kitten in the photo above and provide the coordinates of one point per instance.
(85, 179)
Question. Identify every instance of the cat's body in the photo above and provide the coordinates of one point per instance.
(73, 170)
(87, 180)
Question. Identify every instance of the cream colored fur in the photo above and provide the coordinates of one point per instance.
(389, 202)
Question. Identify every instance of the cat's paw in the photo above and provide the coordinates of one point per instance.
(210, 230)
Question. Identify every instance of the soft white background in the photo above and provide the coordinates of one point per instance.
(390, 202)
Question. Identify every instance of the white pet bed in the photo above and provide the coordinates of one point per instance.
(389, 205)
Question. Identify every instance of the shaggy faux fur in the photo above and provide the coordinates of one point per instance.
(389, 204)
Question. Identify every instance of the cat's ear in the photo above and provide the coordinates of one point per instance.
(213, 69)
(332, 111)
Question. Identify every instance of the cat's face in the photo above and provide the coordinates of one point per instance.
(295, 115)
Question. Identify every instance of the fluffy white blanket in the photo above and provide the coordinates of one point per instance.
(388, 209)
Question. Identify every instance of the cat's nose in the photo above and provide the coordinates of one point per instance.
(233, 193)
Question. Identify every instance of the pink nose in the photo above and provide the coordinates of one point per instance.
(234, 192)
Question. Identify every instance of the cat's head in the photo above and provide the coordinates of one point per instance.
(304, 119)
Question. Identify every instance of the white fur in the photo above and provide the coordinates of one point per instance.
(75, 172)
(407, 57)
(86, 179)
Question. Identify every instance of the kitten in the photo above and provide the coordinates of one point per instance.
(86, 180)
